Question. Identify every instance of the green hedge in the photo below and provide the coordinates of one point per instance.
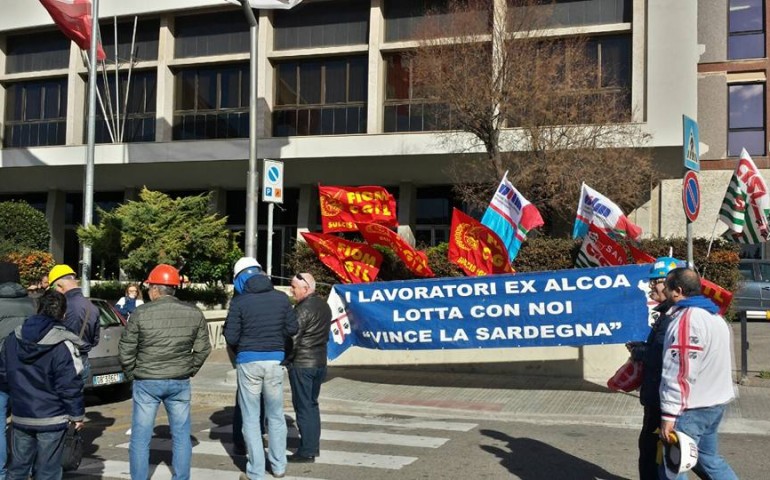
(22, 228)
(537, 254)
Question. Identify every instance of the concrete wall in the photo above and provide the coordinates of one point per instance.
(712, 30)
(713, 184)
(712, 125)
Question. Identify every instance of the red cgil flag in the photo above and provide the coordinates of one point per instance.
(720, 296)
(639, 255)
(343, 207)
(415, 260)
(352, 262)
(73, 17)
(475, 248)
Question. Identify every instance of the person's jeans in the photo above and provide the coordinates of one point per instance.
(255, 380)
(702, 425)
(3, 444)
(147, 397)
(43, 450)
(305, 388)
(238, 440)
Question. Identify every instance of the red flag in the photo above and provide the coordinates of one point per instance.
(717, 294)
(352, 262)
(415, 261)
(73, 17)
(475, 248)
(640, 256)
(599, 250)
(343, 207)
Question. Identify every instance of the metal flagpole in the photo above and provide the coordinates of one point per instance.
(88, 189)
(251, 183)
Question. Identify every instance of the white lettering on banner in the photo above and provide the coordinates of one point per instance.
(529, 332)
(550, 308)
(410, 336)
(459, 336)
(434, 313)
(495, 311)
(586, 283)
(426, 293)
(520, 286)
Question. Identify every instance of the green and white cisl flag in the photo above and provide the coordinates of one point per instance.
(270, 4)
(746, 206)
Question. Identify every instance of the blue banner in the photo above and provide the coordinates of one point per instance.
(567, 307)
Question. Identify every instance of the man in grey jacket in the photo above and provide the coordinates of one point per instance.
(164, 344)
(307, 367)
(15, 307)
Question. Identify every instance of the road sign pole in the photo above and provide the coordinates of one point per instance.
(690, 262)
(270, 208)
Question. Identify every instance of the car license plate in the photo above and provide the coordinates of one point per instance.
(107, 379)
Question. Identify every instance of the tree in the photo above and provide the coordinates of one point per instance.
(544, 108)
(160, 229)
(22, 228)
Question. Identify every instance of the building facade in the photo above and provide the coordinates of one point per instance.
(335, 104)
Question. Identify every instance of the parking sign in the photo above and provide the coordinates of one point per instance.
(272, 181)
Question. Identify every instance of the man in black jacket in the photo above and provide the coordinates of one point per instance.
(307, 367)
(259, 321)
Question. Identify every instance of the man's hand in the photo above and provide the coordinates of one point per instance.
(78, 425)
(666, 429)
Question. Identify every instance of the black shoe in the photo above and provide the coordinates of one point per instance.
(297, 458)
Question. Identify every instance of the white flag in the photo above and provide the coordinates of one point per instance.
(270, 4)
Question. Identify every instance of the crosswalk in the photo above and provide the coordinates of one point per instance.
(355, 434)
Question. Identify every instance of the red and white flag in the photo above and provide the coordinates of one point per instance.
(73, 17)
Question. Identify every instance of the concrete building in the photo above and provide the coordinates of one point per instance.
(328, 109)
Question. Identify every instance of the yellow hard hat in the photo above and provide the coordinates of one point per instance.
(59, 271)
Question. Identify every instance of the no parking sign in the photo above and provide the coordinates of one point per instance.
(691, 195)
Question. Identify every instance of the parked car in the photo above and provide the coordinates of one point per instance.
(754, 290)
(105, 363)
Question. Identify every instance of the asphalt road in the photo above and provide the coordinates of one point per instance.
(383, 446)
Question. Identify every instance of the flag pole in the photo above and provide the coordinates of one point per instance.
(88, 189)
(251, 179)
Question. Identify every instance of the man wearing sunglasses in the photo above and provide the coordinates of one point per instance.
(307, 364)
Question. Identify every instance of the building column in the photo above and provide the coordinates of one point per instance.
(376, 75)
(407, 211)
(76, 98)
(638, 61)
(265, 74)
(2, 88)
(54, 214)
(307, 217)
(218, 201)
(164, 93)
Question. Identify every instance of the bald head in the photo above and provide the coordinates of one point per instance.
(682, 283)
(302, 285)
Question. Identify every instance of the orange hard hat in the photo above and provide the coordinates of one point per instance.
(164, 274)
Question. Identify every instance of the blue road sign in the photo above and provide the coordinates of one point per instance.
(690, 143)
(273, 174)
(691, 196)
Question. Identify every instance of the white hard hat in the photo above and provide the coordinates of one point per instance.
(243, 263)
(680, 455)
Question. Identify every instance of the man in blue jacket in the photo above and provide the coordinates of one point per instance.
(259, 322)
(40, 370)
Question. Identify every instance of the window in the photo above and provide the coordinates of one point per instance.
(38, 51)
(35, 113)
(321, 97)
(404, 112)
(211, 34)
(137, 113)
(322, 25)
(146, 47)
(212, 102)
(746, 122)
(576, 13)
(404, 18)
(746, 29)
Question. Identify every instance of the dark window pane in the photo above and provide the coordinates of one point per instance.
(186, 90)
(357, 84)
(340, 120)
(52, 94)
(211, 34)
(287, 84)
(746, 16)
(746, 46)
(310, 83)
(336, 81)
(746, 106)
(37, 51)
(207, 90)
(316, 25)
(230, 88)
(146, 46)
(572, 13)
(33, 104)
(752, 141)
(397, 81)
(616, 61)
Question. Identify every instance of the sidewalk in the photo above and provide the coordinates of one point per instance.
(479, 397)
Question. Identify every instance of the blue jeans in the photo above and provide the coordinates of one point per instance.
(255, 380)
(702, 424)
(42, 450)
(3, 444)
(305, 388)
(148, 394)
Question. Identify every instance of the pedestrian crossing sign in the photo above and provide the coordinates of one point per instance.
(690, 142)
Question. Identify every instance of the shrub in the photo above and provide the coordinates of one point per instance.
(22, 228)
(33, 265)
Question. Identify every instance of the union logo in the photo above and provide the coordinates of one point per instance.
(464, 237)
(331, 207)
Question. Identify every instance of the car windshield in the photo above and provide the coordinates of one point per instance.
(107, 317)
(745, 270)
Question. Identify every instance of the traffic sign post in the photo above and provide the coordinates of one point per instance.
(691, 196)
(690, 186)
(272, 193)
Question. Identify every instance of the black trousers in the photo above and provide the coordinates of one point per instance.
(648, 444)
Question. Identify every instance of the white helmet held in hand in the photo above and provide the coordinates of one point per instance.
(680, 455)
(243, 263)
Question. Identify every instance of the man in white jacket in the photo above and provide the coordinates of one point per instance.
(697, 384)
